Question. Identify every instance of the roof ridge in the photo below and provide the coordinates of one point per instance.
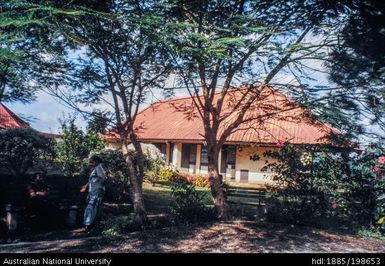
(13, 115)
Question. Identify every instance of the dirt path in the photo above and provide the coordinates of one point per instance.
(239, 237)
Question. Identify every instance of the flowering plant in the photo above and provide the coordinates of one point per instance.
(379, 167)
(381, 160)
(280, 143)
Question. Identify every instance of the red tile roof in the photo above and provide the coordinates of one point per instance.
(9, 120)
(179, 120)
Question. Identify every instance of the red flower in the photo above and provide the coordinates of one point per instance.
(280, 143)
(377, 171)
(381, 159)
(334, 204)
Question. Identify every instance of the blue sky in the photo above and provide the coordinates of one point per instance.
(44, 113)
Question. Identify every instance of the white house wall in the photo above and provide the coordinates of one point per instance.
(243, 162)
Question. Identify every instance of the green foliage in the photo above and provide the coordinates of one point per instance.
(162, 173)
(331, 189)
(159, 172)
(201, 181)
(371, 232)
(196, 180)
(98, 123)
(169, 174)
(116, 225)
(30, 47)
(187, 205)
(296, 192)
(23, 148)
(75, 146)
(154, 167)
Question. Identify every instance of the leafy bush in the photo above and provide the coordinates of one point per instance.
(370, 232)
(155, 170)
(201, 181)
(75, 146)
(116, 225)
(187, 205)
(196, 180)
(366, 187)
(295, 197)
(162, 173)
(332, 189)
(23, 148)
(168, 174)
(153, 167)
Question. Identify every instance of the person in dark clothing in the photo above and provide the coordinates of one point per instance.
(37, 188)
(37, 206)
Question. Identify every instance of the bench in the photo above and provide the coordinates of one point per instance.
(248, 196)
(12, 215)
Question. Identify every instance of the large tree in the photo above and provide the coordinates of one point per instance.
(218, 43)
(118, 60)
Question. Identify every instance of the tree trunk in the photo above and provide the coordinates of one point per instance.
(216, 183)
(140, 217)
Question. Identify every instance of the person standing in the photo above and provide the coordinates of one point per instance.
(96, 189)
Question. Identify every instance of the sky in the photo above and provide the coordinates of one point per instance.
(45, 112)
(42, 114)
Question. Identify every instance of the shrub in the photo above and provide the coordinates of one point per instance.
(296, 197)
(116, 225)
(370, 232)
(196, 180)
(153, 167)
(187, 205)
(335, 189)
(201, 181)
(168, 174)
(75, 146)
(23, 148)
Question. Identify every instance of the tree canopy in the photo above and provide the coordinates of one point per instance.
(30, 46)
(357, 63)
(23, 148)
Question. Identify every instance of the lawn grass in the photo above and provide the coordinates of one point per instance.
(158, 198)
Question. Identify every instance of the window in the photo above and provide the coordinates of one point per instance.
(231, 150)
(171, 152)
(204, 156)
(189, 152)
(161, 147)
(244, 175)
